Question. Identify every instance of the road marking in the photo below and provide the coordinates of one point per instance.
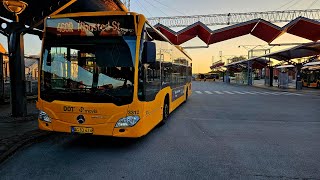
(253, 93)
(199, 92)
(208, 92)
(273, 93)
(262, 93)
(289, 94)
(228, 92)
(218, 92)
(238, 92)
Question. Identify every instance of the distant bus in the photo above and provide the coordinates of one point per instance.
(109, 73)
(207, 76)
(311, 77)
(212, 76)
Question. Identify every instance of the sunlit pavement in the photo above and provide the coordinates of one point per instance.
(240, 132)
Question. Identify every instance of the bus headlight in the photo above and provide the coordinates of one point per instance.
(128, 121)
(44, 117)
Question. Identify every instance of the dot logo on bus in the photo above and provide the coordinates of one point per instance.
(68, 108)
(81, 119)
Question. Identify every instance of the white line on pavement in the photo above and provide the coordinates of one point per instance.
(218, 92)
(273, 93)
(262, 93)
(253, 93)
(228, 92)
(208, 92)
(289, 94)
(199, 92)
(238, 92)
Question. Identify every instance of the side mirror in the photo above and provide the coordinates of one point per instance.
(149, 53)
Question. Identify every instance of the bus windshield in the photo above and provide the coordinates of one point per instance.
(88, 69)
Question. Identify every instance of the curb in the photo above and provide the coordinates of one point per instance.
(280, 90)
(29, 98)
(289, 90)
(35, 136)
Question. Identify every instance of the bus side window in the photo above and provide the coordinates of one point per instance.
(149, 72)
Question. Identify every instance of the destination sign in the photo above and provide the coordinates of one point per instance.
(92, 26)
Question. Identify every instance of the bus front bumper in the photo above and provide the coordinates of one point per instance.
(107, 129)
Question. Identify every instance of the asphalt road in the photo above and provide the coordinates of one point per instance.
(222, 132)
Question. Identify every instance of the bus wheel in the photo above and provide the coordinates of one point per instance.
(187, 95)
(165, 110)
(318, 85)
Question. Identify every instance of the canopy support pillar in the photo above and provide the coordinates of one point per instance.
(271, 76)
(17, 74)
(249, 73)
(1, 80)
(299, 78)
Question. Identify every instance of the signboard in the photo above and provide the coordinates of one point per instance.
(92, 26)
(177, 92)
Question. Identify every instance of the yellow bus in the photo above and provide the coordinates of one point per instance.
(311, 76)
(109, 73)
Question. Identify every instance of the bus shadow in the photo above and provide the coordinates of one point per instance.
(102, 142)
(105, 142)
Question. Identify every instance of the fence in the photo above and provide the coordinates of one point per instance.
(30, 79)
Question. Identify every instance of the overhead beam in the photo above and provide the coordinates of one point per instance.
(56, 12)
(235, 18)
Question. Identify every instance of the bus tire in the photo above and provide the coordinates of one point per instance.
(187, 95)
(165, 110)
(318, 85)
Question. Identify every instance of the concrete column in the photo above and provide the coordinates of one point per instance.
(1, 79)
(17, 75)
(249, 75)
(227, 79)
(271, 76)
(298, 77)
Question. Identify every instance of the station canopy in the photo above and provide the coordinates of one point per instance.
(301, 51)
(285, 66)
(264, 30)
(304, 50)
(37, 10)
(256, 63)
(312, 66)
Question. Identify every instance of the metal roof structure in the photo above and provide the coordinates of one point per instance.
(285, 66)
(317, 63)
(37, 10)
(256, 63)
(303, 50)
(264, 30)
(312, 66)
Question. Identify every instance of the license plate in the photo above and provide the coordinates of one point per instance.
(82, 130)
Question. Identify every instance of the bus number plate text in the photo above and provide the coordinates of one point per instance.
(82, 130)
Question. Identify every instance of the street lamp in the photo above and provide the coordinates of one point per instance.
(15, 6)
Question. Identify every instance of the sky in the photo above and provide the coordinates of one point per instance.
(203, 58)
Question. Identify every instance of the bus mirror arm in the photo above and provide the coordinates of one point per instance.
(149, 53)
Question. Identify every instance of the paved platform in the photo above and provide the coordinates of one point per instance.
(16, 132)
(291, 88)
(212, 136)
